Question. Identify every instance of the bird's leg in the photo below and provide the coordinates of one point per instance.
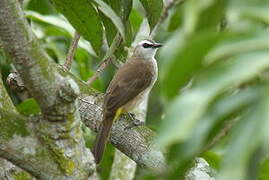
(135, 122)
(131, 116)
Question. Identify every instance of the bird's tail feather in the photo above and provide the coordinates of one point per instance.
(101, 138)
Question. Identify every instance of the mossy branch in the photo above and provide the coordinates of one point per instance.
(137, 143)
(19, 145)
(58, 130)
(90, 108)
(29, 58)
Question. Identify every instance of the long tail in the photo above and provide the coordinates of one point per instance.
(101, 138)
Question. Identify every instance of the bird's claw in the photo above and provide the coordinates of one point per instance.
(135, 122)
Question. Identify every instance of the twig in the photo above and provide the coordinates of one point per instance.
(109, 57)
(100, 70)
(164, 15)
(71, 52)
(223, 132)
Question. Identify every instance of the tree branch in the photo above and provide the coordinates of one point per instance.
(71, 51)
(220, 135)
(29, 59)
(22, 149)
(107, 58)
(100, 69)
(9, 171)
(123, 167)
(90, 107)
(137, 143)
(59, 129)
(19, 146)
(170, 4)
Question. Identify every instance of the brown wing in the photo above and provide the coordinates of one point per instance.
(130, 80)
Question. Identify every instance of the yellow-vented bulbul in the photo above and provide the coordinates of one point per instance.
(129, 87)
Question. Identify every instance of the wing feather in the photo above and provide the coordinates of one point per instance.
(131, 79)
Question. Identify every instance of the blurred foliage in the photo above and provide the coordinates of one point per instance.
(212, 97)
(28, 107)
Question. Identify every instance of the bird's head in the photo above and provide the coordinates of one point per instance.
(146, 49)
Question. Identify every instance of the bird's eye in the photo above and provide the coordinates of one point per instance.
(146, 45)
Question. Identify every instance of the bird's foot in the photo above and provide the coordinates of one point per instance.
(135, 122)
(131, 116)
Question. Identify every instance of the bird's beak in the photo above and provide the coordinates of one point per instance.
(157, 45)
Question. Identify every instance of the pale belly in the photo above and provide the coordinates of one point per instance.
(131, 105)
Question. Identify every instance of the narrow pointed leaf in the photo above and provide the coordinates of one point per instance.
(108, 11)
(84, 18)
(122, 8)
(244, 140)
(153, 9)
(184, 112)
(181, 62)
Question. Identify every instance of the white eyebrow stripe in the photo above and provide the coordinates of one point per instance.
(146, 41)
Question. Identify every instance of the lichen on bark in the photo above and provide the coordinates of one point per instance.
(11, 124)
(56, 132)
(22, 176)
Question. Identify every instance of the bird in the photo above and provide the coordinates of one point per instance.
(129, 87)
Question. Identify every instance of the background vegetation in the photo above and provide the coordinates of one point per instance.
(212, 96)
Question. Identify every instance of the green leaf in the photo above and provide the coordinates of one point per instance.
(206, 20)
(110, 28)
(136, 20)
(143, 32)
(243, 142)
(176, 19)
(198, 15)
(108, 11)
(28, 107)
(41, 6)
(127, 8)
(256, 13)
(57, 26)
(184, 112)
(184, 60)
(212, 158)
(122, 8)
(153, 10)
(83, 67)
(51, 19)
(218, 112)
(84, 18)
(265, 115)
(243, 43)
(264, 170)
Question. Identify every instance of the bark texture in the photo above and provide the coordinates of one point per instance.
(137, 143)
(123, 168)
(49, 146)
